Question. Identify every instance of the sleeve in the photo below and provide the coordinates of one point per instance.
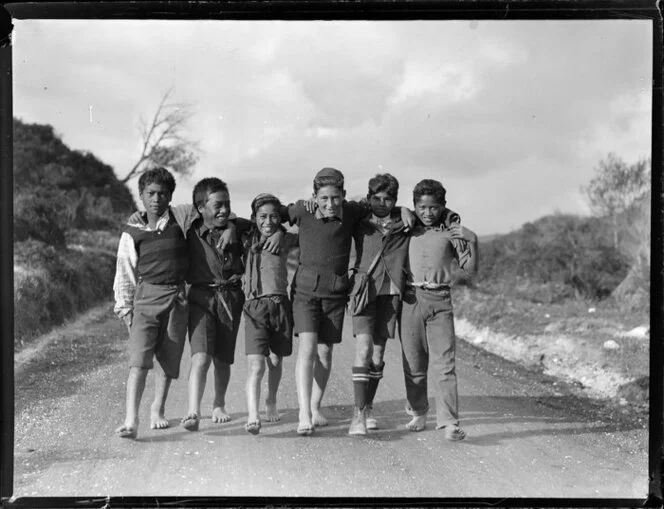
(359, 209)
(124, 285)
(460, 246)
(292, 213)
(291, 240)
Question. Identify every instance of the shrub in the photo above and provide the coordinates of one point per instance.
(56, 284)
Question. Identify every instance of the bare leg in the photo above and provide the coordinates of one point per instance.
(162, 384)
(322, 370)
(222, 375)
(304, 374)
(135, 388)
(200, 363)
(274, 365)
(256, 369)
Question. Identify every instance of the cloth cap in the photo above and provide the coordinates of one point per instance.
(262, 199)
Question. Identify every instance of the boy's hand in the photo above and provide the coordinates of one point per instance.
(408, 218)
(457, 231)
(227, 238)
(136, 219)
(127, 319)
(273, 242)
(309, 205)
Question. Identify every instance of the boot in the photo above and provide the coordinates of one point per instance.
(358, 425)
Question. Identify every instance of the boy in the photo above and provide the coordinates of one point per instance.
(381, 245)
(427, 317)
(268, 316)
(320, 287)
(150, 297)
(215, 297)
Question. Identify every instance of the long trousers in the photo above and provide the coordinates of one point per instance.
(428, 341)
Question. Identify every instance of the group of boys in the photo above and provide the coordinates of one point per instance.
(198, 268)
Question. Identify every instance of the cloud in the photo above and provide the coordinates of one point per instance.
(277, 100)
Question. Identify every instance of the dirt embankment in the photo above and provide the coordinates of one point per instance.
(600, 350)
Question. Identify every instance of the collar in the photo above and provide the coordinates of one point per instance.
(203, 230)
(161, 222)
(319, 215)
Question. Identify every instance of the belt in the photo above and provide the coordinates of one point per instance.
(426, 285)
(234, 283)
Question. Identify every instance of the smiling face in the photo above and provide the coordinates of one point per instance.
(428, 210)
(329, 200)
(216, 210)
(268, 219)
(155, 198)
(382, 204)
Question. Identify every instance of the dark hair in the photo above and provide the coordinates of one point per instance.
(329, 177)
(429, 187)
(157, 175)
(383, 183)
(205, 188)
(264, 199)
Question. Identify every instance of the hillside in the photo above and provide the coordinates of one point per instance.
(57, 188)
(67, 209)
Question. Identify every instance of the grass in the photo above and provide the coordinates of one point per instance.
(52, 285)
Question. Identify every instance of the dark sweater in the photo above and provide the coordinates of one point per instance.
(162, 255)
(324, 250)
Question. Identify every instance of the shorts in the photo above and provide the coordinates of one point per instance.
(268, 325)
(379, 318)
(316, 314)
(158, 327)
(211, 330)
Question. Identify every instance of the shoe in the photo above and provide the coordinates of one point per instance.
(372, 423)
(358, 425)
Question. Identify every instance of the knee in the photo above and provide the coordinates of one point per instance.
(201, 362)
(257, 368)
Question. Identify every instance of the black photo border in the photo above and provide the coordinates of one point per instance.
(331, 10)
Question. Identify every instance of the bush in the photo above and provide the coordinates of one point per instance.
(36, 217)
(558, 257)
(55, 284)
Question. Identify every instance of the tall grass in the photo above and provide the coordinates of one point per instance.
(52, 285)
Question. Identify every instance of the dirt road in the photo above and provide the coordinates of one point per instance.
(528, 435)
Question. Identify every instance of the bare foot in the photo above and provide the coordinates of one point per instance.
(253, 426)
(157, 419)
(305, 427)
(219, 414)
(417, 423)
(191, 422)
(318, 419)
(271, 412)
(127, 431)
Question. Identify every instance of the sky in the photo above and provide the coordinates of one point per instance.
(511, 116)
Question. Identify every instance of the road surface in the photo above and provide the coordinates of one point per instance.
(528, 436)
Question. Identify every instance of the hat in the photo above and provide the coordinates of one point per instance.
(262, 199)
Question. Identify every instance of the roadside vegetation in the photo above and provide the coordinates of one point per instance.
(570, 295)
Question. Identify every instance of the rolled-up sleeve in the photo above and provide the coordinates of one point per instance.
(124, 285)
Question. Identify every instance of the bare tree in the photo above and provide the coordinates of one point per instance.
(615, 186)
(164, 142)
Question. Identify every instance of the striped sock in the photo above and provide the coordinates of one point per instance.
(375, 374)
(360, 384)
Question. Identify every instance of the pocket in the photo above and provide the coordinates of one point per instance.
(306, 279)
(341, 284)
